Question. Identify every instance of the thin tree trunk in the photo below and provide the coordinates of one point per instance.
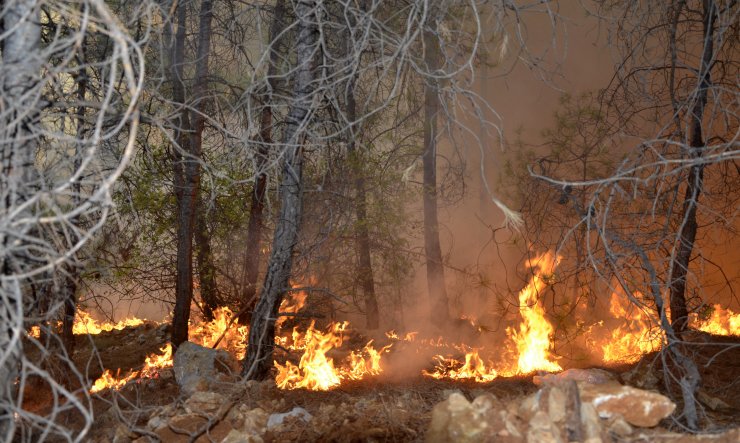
(262, 330)
(73, 271)
(21, 64)
(687, 235)
(362, 234)
(183, 187)
(206, 269)
(435, 268)
(257, 202)
(187, 162)
(204, 262)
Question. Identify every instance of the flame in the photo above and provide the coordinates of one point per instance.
(207, 333)
(108, 381)
(316, 371)
(85, 324)
(720, 322)
(155, 362)
(533, 340)
(637, 335)
(473, 368)
(291, 305)
(35, 332)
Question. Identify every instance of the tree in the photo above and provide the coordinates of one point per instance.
(52, 202)
(188, 128)
(257, 201)
(673, 93)
(262, 329)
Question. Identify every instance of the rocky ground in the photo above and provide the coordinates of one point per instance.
(199, 400)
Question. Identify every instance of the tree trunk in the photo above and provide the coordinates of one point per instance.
(187, 160)
(362, 234)
(257, 202)
(21, 63)
(206, 269)
(435, 268)
(204, 261)
(262, 329)
(689, 225)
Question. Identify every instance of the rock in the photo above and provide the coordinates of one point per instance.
(253, 421)
(187, 423)
(638, 407)
(485, 419)
(594, 376)
(711, 401)
(241, 437)
(590, 423)
(556, 404)
(642, 375)
(197, 368)
(204, 402)
(276, 420)
(124, 434)
(619, 427)
(542, 430)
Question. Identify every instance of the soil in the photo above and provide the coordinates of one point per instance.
(379, 409)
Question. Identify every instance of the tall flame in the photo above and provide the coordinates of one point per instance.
(534, 338)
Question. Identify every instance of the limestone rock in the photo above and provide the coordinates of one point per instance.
(276, 420)
(204, 402)
(542, 430)
(197, 368)
(460, 421)
(593, 375)
(638, 407)
(241, 437)
(590, 423)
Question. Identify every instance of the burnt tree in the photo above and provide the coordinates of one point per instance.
(257, 200)
(188, 127)
(434, 264)
(262, 327)
(689, 224)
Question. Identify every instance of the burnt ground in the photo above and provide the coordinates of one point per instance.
(373, 409)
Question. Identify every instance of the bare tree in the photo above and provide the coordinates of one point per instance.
(53, 203)
(186, 161)
(675, 93)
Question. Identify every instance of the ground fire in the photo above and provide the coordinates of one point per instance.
(527, 349)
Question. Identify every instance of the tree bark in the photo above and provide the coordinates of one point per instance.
(262, 329)
(206, 269)
(204, 262)
(257, 202)
(21, 64)
(362, 234)
(434, 265)
(186, 165)
(689, 225)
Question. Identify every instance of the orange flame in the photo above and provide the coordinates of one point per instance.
(474, 368)
(316, 371)
(637, 335)
(534, 338)
(85, 324)
(720, 322)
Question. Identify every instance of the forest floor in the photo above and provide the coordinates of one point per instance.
(375, 409)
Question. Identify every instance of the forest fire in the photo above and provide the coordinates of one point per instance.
(528, 348)
(637, 336)
(85, 324)
(720, 322)
(316, 371)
